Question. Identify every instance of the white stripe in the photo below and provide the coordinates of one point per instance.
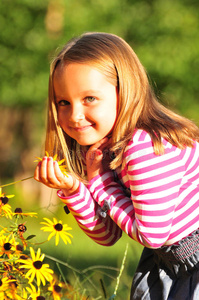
(155, 219)
(143, 230)
(157, 195)
(154, 207)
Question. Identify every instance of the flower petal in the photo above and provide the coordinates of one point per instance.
(57, 239)
(32, 253)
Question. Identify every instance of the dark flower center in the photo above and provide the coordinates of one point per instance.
(18, 210)
(4, 200)
(57, 288)
(1, 282)
(40, 298)
(7, 246)
(19, 247)
(37, 264)
(58, 227)
(23, 257)
(22, 228)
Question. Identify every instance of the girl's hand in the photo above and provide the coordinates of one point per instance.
(97, 158)
(49, 173)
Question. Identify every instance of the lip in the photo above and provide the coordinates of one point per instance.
(82, 128)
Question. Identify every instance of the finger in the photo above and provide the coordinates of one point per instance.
(43, 171)
(93, 156)
(50, 172)
(58, 173)
(37, 172)
(95, 149)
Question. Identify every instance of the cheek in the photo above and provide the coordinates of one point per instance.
(62, 118)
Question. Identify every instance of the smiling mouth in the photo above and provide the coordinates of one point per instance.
(82, 128)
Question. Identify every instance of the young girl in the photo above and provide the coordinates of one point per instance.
(133, 164)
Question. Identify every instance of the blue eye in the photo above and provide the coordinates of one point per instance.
(90, 99)
(63, 103)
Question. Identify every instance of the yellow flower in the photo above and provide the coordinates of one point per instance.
(36, 268)
(63, 168)
(55, 288)
(5, 208)
(18, 212)
(14, 291)
(58, 230)
(4, 286)
(3, 194)
(7, 245)
(33, 292)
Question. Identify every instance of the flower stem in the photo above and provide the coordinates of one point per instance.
(16, 181)
(121, 269)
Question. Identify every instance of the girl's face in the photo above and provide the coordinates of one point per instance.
(86, 102)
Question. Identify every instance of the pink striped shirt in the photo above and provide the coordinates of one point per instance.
(163, 206)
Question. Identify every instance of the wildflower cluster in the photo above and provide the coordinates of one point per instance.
(23, 273)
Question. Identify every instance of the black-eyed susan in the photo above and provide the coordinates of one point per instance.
(8, 244)
(58, 230)
(4, 287)
(5, 208)
(34, 294)
(3, 195)
(62, 167)
(56, 289)
(18, 212)
(36, 267)
(15, 291)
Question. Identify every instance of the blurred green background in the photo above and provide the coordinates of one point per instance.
(163, 33)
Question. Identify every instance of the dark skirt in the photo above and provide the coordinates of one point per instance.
(168, 273)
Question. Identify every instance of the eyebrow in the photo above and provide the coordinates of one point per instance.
(90, 92)
(86, 92)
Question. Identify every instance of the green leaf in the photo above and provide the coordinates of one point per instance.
(30, 237)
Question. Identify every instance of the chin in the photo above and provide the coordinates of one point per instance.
(84, 143)
(87, 143)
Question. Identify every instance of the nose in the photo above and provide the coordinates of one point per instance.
(77, 114)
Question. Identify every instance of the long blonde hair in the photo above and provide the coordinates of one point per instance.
(137, 104)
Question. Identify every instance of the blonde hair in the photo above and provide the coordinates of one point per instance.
(137, 104)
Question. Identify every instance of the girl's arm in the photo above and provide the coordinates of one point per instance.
(86, 211)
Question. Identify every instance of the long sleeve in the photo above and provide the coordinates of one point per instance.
(85, 210)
